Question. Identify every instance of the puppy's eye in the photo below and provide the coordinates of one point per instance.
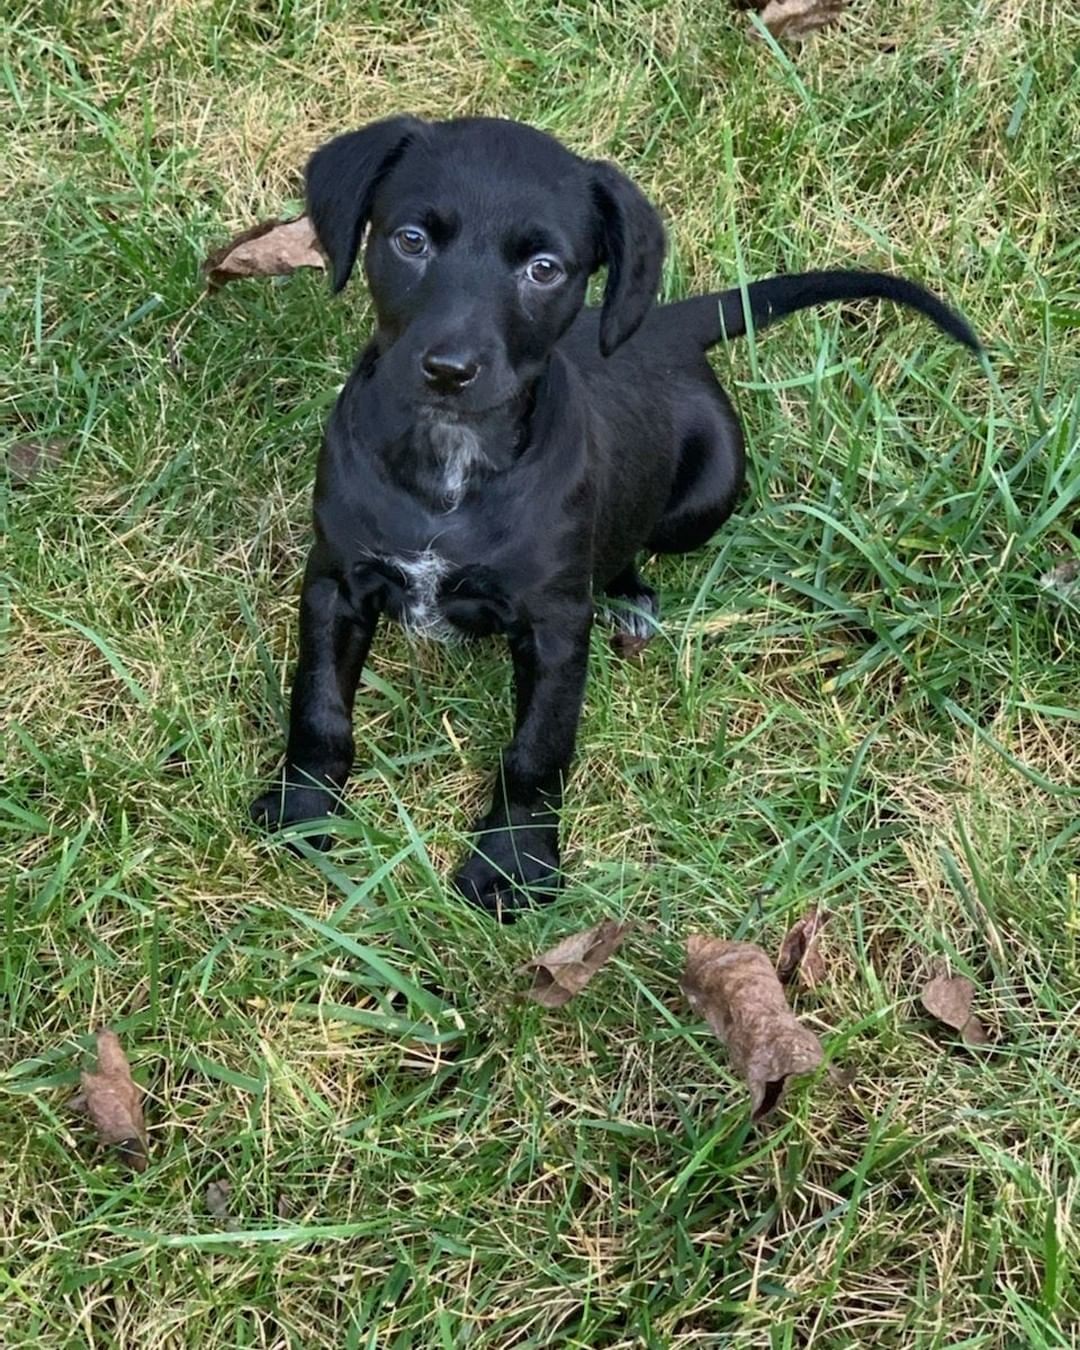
(544, 272)
(411, 242)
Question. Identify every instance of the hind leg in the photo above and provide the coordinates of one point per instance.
(708, 479)
(635, 613)
(710, 474)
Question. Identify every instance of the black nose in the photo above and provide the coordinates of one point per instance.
(449, 371)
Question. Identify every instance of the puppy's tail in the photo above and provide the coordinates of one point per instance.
(722, 315)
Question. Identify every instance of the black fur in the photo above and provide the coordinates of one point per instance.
(501, 454)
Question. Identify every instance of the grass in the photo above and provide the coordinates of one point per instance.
(862, 697)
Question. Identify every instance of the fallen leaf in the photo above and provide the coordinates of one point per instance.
(217, 1198)
(113, 1101)
(974, 1033)
(841, 1076)
(948, 998)
(567, 968)
(797, 18)
(217, 1202)
(27, 459)
(1063, 580)
(734, 987)
(799, 952)
(812, 970)
(275, 248)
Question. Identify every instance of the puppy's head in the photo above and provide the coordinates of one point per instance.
(481, 238)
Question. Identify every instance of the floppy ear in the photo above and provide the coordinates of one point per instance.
(341, 180)
(630, 239)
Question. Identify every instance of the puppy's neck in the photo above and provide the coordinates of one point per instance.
(449, 453)
(442, 455)
(434, 451)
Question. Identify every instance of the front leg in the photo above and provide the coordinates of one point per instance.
(516, 855)
(335, 636)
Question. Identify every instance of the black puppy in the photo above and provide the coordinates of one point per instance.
(501, 455)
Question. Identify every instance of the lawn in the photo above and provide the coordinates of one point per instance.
(863, 698)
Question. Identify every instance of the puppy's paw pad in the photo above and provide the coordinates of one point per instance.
(628, 645)
(635, 620)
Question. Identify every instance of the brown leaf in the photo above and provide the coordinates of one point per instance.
(27, 459)
(841, 1076)
(217, 1198)
(217, 1202)
(798, 18)
(799, 952)
(948, 998)
(114, 1102)
(812, 970)
(1063, 580)
(974, 1033)
(567, 968)
(734, 987)
(274, 249)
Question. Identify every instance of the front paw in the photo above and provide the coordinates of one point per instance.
(285, 804)
(511, 868)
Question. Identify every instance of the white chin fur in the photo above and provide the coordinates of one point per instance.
(456, 449)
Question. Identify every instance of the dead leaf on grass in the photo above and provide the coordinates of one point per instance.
(841, 1076)
(275, 248)
(734, 987)
(565, 970)
(948, 998)
(974, 1033)
(799, 952)
(114, 1102)
(26, 460)
(1063, 580)
(797, 18)
(217, 1202)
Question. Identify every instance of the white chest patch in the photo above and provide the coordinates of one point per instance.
(420, 615)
